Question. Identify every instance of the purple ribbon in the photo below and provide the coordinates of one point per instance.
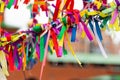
(117, 2)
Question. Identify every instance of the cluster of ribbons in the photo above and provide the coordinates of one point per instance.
(22, 49)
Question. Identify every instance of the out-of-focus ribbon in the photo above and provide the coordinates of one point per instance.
(2, 6)
(26, 1)
(3, 63)
(10, 4)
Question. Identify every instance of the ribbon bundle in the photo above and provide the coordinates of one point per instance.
(22, 49)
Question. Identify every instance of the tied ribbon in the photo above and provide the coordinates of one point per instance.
(42, 48)
(2, 76)
(10, 59)
(10, 4)
(88, 33)
(98, 30)
(61, 45)
(26, 1)
(3, 63)
(117, 2)
(27, 51)
(45, 57)
(73, 37)
(64, 51)
(104, 1)
(100, 44)
(64, 28)
(16, 4)
(55, 15)
(24, 56)
(37, 48)
(51, 46)
(15, 56)
(54, 38)
(35, 8)
(71, 49)
(104, 23)
(2, 5)
(91, 25)
(44, 6)
(114, 16)
(69, 5)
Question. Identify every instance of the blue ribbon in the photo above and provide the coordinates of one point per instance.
(98, 30)
(73, 36)
(91, 25)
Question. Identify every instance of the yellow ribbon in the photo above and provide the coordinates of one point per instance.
(3, 63)
(51, 45)
(2, 5)
(24, 56)
(98, 4)
(71, 49)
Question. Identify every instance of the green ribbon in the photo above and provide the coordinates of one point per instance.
(10, 4)
(37, 28)
(104, 23)
(62, 32)
(108, 10)
(64, 51)
(63, 28)
(42, 48)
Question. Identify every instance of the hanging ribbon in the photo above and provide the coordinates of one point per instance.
(26, 1)
(64, 27)
(10, 59)
(2, 76)
(45, 57)
(104, 22)
(35, 8)
(15, 56)
(71, 49)
(98, 30)
(3, 63)
(2, 6)
(91, 25)
(55, 42)
(99, 43)
(73, 36)
(89, 35)
(42, 48)
(55, 15)
(24, 56)
(69, 5)
(37, 48)
(115, 14)
(10, 4)
(16, 4)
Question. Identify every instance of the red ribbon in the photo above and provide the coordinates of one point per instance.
(54, 38)
(16, 6)
(10, 60)
(35, 8)
(26, 1)
(56, 10)
(69, 2)
(76, 12)
(8, 37)
(104, 1)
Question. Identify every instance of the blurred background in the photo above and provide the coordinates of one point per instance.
(95, 66)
